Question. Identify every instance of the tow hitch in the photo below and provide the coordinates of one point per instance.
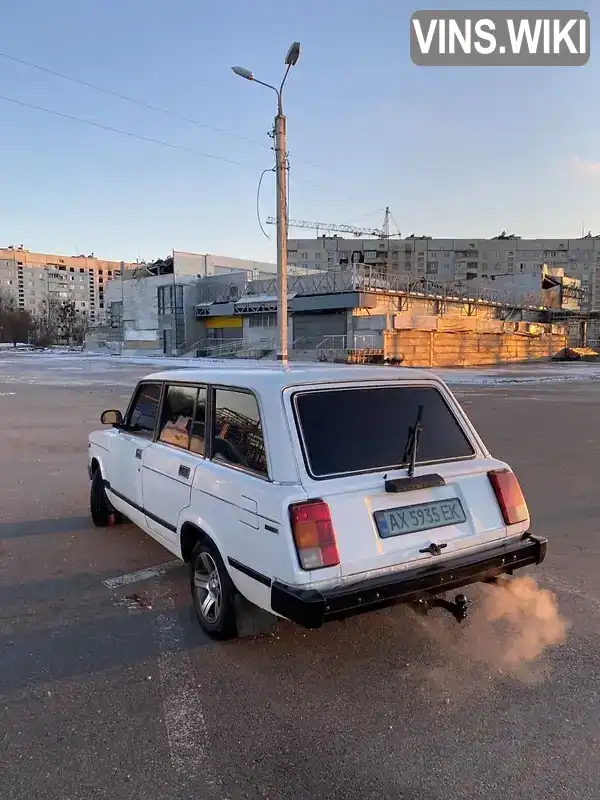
(458, 608)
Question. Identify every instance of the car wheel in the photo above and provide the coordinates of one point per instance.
(103, 514)
(100, 509)
(213, 592)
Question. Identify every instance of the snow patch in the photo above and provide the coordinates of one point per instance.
(89, 369)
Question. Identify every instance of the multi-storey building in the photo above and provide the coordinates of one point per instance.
(509, 258)
(34, 278)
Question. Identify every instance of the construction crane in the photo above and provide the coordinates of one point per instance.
(326, 227)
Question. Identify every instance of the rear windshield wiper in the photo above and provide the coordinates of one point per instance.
(412, 443)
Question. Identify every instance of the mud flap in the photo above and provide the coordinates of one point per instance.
(251, 620)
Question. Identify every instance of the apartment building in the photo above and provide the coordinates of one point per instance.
(504, 262)
(33, 278)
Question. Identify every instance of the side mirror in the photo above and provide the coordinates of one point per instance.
(111, 418)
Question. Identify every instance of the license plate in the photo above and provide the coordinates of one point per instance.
(421, 517)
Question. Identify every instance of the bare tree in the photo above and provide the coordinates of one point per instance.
(80, 328)
(15, 324)
(18, 326)
(59, 322)
(45, 326)
(67, 318)
(7, 302)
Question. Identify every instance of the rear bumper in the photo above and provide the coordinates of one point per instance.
(311, 608)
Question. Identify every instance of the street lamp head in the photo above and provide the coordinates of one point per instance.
(293, 54)
(243, 73)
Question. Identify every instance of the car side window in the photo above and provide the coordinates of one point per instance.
(237, 435)
(177, 415)
(144, 410)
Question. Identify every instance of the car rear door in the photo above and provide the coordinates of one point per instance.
(353, 441)
(236, 494)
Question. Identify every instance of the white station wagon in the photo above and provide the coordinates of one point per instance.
(311, 492)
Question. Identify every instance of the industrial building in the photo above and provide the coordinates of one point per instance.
(204, 265)
(359, 312)
(348, 298)
(150, 307)
(352, 313)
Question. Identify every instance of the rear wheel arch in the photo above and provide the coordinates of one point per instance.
(189, 537)
(213, 591)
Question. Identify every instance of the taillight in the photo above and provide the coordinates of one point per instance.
(509, 495)
(314, 535)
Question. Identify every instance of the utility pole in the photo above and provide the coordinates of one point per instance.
(281, 168)
(282, 233)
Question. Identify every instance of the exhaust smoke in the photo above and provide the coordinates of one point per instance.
(512, 624)
(526, 616)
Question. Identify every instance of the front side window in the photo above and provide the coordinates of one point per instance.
(347, 431)
(177, 415)
(144, 410)
(238, 437)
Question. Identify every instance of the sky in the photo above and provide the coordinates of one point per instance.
(454, 152)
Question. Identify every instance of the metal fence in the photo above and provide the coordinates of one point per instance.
(358, 341)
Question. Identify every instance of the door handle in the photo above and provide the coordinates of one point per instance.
(184, 472)
(138, 453)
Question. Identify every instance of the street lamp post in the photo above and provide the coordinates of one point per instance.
(281, 199)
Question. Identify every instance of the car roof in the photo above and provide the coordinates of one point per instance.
(260, 376)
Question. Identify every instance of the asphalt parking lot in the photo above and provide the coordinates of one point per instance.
(112, 691)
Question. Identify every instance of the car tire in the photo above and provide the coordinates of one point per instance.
(102, 512)
(213, 592)
(100, 509)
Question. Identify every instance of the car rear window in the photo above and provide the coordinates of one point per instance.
(363, 430)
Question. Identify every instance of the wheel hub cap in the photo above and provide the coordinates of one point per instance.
(207, 586)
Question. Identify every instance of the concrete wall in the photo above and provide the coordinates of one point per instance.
(469, 348)
(208, 264)
(142, 324)
(103, 339)
(414, 307)
(254, 333)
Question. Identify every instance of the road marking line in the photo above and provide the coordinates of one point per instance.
(187, 732)
(141, 575)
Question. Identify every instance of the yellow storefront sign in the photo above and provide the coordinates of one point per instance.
(224, 322)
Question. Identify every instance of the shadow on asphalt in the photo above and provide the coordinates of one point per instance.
(41, 527)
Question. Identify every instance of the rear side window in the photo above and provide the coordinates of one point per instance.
(363, 430)
(144, 409)
(238, 437)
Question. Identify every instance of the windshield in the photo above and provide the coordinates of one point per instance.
(363, 430)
